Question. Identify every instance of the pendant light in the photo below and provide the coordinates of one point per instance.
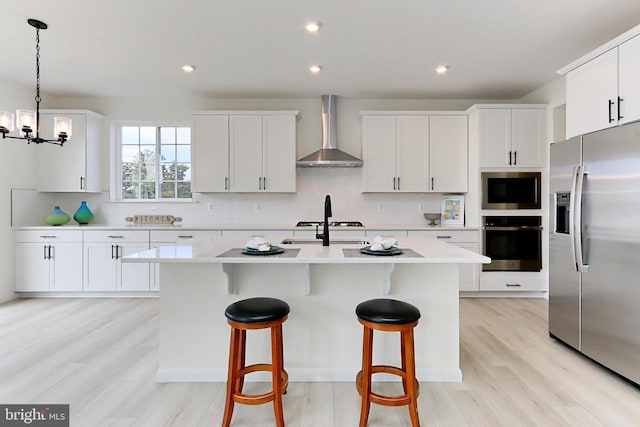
(28, 122)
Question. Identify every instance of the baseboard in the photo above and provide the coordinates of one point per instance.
(8, 297)
(138, 294)
(447, 375)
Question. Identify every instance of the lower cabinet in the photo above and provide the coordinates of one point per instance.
(523, 281)
(48, 261)
(104, 270)
(469, 274)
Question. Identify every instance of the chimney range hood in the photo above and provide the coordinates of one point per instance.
(329, 155)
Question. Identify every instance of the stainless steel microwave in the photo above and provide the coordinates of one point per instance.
(511, 190)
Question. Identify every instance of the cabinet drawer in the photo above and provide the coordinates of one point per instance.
(116, 236)
(396, 234)
(184, 235)
(512, 282)
(447, 235)
(35, 236)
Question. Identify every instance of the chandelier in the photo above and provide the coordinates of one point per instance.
(28, 122)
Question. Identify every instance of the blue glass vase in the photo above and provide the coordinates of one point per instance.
(57, 217)
(83, 215)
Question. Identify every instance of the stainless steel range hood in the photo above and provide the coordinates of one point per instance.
(329, 155)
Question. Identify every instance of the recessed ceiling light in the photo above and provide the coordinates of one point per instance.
(313, 26)
(315, 69)
(442, 69)
(187, 68)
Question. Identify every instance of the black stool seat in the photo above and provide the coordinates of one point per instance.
(257, 310)
(387, 311)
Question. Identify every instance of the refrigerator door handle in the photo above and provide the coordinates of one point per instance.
(572, 217)
(577, 222)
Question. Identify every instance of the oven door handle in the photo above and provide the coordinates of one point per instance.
(519, 228)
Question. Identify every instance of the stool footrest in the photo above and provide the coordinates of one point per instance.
(380, 399)
(257, 399)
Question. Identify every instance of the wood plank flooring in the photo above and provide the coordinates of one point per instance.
(100, 356)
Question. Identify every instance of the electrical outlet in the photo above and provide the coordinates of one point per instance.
(210, 206)
(258, 208)
(154, 209)
(420, 207)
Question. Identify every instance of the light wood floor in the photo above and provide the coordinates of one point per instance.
(99, 356)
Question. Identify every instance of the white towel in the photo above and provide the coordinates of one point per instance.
(381, 244)
(258, 244)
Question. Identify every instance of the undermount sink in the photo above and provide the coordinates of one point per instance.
(319, 242)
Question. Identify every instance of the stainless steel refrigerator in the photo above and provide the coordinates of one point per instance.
(594, 247)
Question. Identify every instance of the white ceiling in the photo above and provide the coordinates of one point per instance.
(497, 49)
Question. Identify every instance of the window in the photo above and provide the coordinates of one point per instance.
(155, 162)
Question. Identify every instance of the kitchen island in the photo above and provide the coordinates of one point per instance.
(322, 285)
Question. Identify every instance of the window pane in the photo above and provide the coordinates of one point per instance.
(130, 172)
(147, 153)
(184, 153)
(168, 153)
(147, 190)
(130, 153)
(168, 171)
(130, 190)
(183, 135)
(148, 135)
(184, 190)
(167, 135)
(168, 190)
(130, 135)
(183, 172)
(148, 172)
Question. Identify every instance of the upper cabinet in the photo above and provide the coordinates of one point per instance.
(604, 91)
(511, 137)
(414, 152)
(250, 151)
(75, 167)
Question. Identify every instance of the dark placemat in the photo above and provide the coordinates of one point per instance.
(355, 253)
(237, 252)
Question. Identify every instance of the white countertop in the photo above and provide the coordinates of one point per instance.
(250, 227)
(432, 251)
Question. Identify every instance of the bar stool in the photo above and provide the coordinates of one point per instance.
(388, 315)
(252, 314)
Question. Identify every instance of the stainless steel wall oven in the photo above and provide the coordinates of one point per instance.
(514, 243)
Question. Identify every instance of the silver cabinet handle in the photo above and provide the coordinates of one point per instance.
(443, 237)
(116, 237)
(48, 237)
(44, 254)
(112, 251)
(513, 285)
(185, 237)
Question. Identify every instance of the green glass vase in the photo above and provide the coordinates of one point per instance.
(83, 215)
(57, 217)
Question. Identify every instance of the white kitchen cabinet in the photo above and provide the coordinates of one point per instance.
(604, 92)
(210, 153)
(104, 270)
(263, 153)
(504, 281)
(414, 153)
(448, 153)
(511, 137)
(272, 235)
(76, 166)
(468, 274)
(177, 237)
(48, 261)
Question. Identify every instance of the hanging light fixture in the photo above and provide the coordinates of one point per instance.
(28, 122)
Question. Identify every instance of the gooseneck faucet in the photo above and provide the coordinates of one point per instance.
(325, 225)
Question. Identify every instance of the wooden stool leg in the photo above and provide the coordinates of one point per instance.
(232, 376)
(403, 358)
(410, 363)
(276, 361)
(367, 362)
(242, 345)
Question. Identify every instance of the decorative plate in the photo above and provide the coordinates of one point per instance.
(391, 251)
(273, 251)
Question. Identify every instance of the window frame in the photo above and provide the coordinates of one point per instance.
(115, 188)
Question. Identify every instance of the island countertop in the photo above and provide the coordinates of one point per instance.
(422, 250)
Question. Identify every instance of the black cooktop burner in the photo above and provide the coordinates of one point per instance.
(332, 224)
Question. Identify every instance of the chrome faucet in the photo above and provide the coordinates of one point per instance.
(325, 225)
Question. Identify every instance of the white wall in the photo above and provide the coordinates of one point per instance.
(17, 171)
(344, 185)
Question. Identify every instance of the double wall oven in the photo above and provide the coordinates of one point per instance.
(513, 242)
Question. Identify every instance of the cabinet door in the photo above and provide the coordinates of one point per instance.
(469, 274)
(590, 89)
(132, 276)
(32, 267)
(412, 152)
(279, 155)
(495, 137)
(66, 266)
(629, 84)
(245, 133)
(210, 153)
(100, 267)
(378, 153)
(448, 158)
(527, 137)
(63, 168)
